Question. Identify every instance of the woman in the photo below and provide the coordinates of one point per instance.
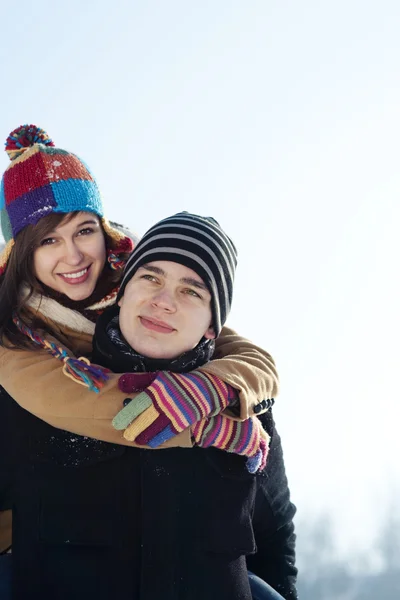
(43, 191)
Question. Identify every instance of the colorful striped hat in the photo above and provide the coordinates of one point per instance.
(200, 244)
(42, 180)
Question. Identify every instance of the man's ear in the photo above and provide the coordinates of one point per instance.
(210, 334)
(120, 301)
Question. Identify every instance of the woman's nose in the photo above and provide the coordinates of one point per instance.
(73, 255)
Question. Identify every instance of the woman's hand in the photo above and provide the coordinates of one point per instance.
(170, 404)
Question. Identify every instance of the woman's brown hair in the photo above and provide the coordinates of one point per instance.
(20, 271)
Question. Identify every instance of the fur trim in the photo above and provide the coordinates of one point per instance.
(120, 234)
(105, 302)
(125, 231)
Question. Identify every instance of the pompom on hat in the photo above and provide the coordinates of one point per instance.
(42, 179)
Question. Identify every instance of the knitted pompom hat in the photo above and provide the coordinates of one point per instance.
(198, 243)
(42, 179)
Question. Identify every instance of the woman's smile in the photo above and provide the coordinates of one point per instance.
(74, 278)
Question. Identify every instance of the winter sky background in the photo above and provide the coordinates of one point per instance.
(281, 119)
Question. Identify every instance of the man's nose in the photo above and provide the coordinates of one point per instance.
(165, 300)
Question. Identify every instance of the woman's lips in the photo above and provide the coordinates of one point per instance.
(77, 277)
(156, 325)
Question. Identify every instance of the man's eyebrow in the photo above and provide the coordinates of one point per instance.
(194, 282)
(186, 280)
(156, 270)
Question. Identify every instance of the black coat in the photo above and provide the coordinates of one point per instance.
(95, 520)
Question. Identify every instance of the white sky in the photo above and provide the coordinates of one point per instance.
(281, 119)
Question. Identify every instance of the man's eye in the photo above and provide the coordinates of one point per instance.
(148, 277)
(191, 292)
(86, 231)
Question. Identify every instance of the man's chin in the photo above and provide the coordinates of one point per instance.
(155, 352)
(157, 355)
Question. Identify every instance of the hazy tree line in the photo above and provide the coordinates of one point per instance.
(323, 576)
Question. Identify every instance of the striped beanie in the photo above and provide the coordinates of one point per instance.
(198, 243)
(41, 180)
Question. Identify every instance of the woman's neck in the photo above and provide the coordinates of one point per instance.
(91, 307)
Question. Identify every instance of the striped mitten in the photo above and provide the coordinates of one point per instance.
(172, 403)
(247, 438)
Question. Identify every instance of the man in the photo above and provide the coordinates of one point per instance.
(198, 518)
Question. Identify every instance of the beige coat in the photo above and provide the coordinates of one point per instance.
(36, 381)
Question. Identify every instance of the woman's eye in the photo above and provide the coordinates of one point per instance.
(86, 231)
(47, 242)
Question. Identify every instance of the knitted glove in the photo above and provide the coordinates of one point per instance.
(170, 404)
(247, 438)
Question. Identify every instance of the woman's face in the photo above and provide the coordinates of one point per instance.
(71, 258)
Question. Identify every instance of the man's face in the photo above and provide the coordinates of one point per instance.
(165, 310)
